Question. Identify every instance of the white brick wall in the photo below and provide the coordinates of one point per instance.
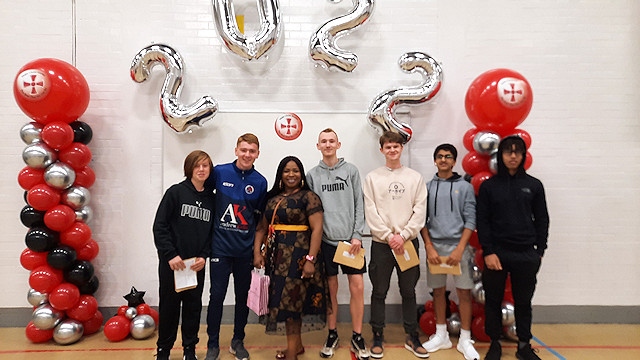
(579, 57)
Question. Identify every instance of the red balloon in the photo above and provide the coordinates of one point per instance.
(84, 309)
(479, 178)
(89, 251)
(528, 161)
(43, 197)
(50, 90)
(154, 314)
(76, 236)
(117, 328)
(428, 323)
(45, 278)
(523, 134)
(85, 177)
(473, 163)
(467, 138)
(64, 296)
(29, 177)
(474, 241)
(57, 134)
(122, 310)
(30, 259)
(498, 100)
(59, 217)
(428, 306)
(36, 335)
(453, 307)
(77, 155)
(477, 309)
(94, 324)
(477, 329)
(143, 309)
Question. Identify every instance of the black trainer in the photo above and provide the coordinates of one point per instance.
(330, 345)
(377, 349)
(495, 351)
(189, 353)
(162, 354)
(527, 353)
(358, 347)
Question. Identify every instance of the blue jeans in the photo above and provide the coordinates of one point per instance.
(219, 270)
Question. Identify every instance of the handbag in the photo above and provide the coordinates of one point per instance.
(258, 299)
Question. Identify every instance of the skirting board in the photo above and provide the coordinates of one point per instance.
(565, 314)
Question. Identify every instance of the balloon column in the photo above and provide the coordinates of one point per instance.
(136, 318)
(427, 317)
(496, 102)
(56, 180)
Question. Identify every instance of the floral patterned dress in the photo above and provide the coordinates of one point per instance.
(290, 296)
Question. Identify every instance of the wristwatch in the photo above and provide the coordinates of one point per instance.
(310, 258)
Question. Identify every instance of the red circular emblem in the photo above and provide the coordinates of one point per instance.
(288, 126)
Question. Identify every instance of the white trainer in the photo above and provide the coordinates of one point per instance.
(467, 349)
(437, 342)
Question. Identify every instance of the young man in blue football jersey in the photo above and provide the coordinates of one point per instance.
(239, 203)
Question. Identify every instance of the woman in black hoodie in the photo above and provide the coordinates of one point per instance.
(513, 225)
(182, 229)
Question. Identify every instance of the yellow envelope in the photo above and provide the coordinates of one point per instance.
(410, 257)
(443, 268)
(343, 257)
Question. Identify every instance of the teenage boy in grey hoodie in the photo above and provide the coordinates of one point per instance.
(337, 182)
(451, 219)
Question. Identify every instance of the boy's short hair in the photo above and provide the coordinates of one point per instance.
(192, 159)
(391, 137)
(329, 130)
(248, 138)
(446, 147)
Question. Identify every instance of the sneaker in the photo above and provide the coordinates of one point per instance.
(212, 354)
(377, 349)
(237, 349)
(527, 353)
(495, 351)
(189, 353)
(413, 344)
(330, 345)
(467, 349)
(162, 354)
(358, 347)
(437, 342)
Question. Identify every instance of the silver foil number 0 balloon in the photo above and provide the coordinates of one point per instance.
(322, 45)
(253, 47)
(178, 116)
(381, 110)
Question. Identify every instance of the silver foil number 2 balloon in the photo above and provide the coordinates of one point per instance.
(253, 47)
(322, 46)
(178, 116)
(381, 110)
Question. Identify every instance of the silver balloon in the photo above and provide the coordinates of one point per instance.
(508, 314)
(453, 324)
(322, 46)
(30, 132)
(178, 116)
(76, 197)
(510, 332)
(381, 111)
(68, 332)
(84, 214)
(45, 317)
(142, 326)
(130, 313)
(59, 175)
(493, 163)
(476, 273)
(477, 291)
(36, 298)
(39, 155)
(254, 47)
(486, 142)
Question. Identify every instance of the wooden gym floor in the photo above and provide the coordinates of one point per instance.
(570, 341)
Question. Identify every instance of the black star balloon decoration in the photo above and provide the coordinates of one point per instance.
(134, 297)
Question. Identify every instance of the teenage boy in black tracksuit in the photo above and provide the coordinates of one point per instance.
(513, 225)
(182, 230)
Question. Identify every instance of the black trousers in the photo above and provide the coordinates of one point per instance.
(523, 266)
(169, 313)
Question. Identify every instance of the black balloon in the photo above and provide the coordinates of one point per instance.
(41, 239)
(31, 217)
(90, 287)
(61, 257)
(79, 273)
(82, 132)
